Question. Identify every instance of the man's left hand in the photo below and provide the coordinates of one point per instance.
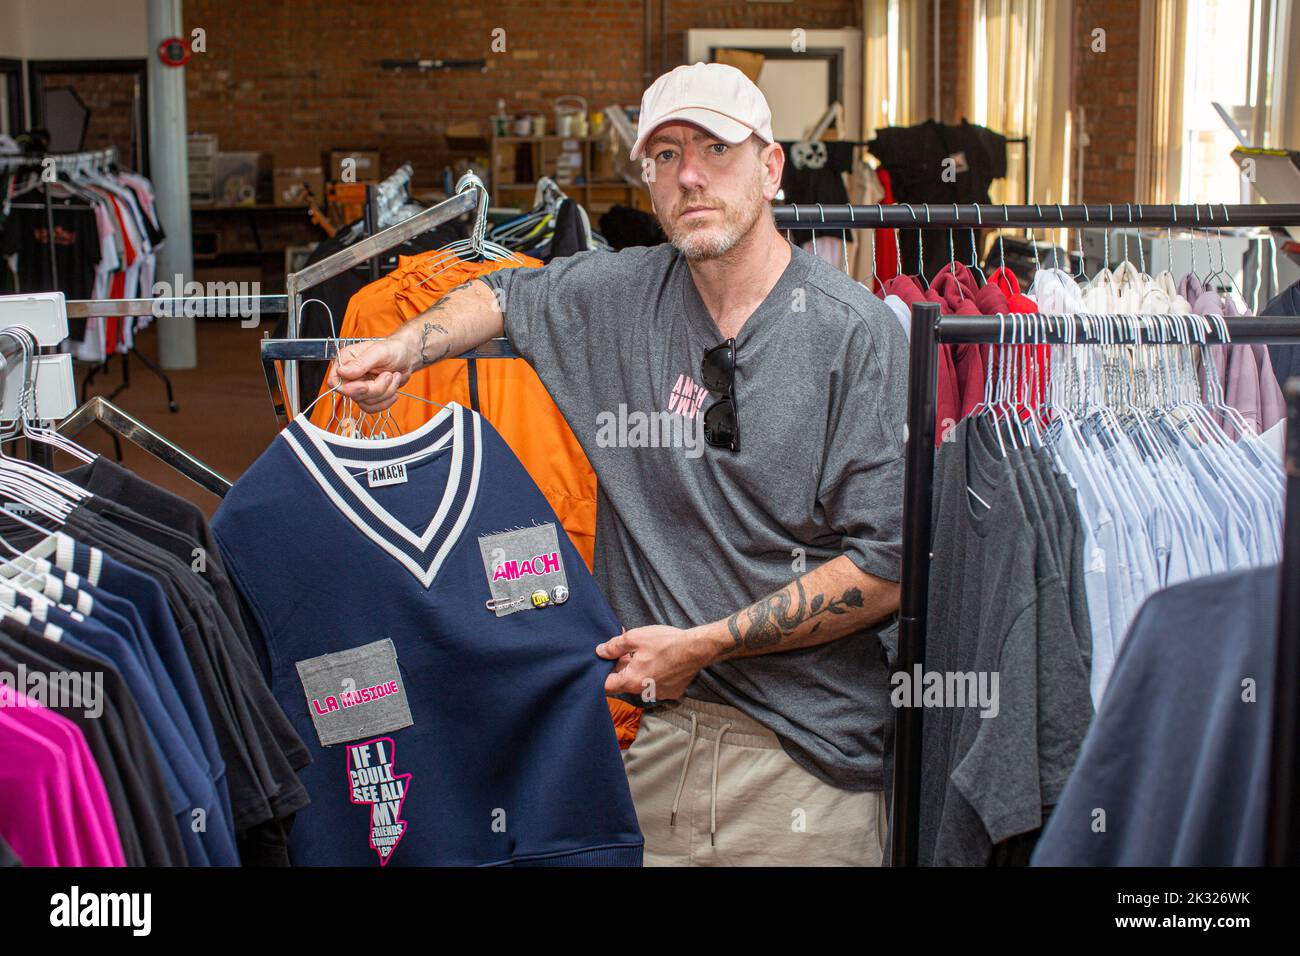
(655, 663)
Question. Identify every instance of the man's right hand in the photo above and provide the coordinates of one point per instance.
(370, 373)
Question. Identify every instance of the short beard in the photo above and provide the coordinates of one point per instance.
(737, 222)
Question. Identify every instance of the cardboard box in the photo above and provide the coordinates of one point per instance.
(293, 157)
(464, 129)
(287, 185)
(364, 165)
(751, 64)
(234, 178)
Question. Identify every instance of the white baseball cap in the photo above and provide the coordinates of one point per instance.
(717, 97)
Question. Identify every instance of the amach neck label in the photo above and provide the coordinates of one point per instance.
(387, 475)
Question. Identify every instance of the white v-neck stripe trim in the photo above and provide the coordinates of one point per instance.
(375, 509)
(425, 575)
(437, 446)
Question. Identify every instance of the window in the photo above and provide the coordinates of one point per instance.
(1196, 53)
(1020, 87)
(1232, 55)
(895, 35)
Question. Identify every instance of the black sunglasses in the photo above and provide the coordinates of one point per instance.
(718, 370)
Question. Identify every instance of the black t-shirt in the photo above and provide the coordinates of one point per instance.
(131, 751)
(624, 227)
(940, 164)
(568, 237)
(259, 731)
(814, 173)
(1285, 359)
(76, 249)
(76, 246)
(262, 782)
(1179, 753)
(106, 478)
(120, 484)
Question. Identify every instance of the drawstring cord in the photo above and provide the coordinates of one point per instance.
(713, 801)
(686, 763)
(681, 782)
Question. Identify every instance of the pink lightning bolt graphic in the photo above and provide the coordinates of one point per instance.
(373, 782)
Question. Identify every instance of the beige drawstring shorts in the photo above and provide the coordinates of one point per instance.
(713, 787)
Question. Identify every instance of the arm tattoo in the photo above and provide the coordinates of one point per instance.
(779, 615)
(427, 356)
(428, 350)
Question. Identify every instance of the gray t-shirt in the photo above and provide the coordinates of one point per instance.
(980, 774)
(687, 533)
(1178, 758)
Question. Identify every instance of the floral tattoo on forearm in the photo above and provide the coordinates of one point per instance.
(768, 622)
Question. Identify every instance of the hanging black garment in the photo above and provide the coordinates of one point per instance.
(814, 173)
(940, 164)
(624, 227)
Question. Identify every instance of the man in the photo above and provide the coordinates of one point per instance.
(765, 738)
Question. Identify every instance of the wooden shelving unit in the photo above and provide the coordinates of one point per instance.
(583, 182)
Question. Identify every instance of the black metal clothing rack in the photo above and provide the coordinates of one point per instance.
(1203, 216)
(929, 330)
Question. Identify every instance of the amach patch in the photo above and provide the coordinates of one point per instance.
(355, 693)
(521, 565)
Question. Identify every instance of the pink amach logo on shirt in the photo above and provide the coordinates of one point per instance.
(687, 397)
(537, 565)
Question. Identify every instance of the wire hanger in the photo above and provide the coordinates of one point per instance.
(952, 254)
(974, 252)
(384, 416)
(844, 240)
(477, 246)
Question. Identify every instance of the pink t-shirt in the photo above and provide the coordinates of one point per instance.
(56, 808)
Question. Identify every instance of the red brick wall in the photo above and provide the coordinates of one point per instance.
(292, 73)
(1106, 87)
(956, 17)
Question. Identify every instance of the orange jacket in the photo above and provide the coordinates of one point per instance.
(507, 393)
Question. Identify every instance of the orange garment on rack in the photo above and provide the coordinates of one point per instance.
(507, 392)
